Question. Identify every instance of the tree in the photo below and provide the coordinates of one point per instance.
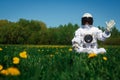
(3, 23)
(115, 32)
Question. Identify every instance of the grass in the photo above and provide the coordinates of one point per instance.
(59, 63)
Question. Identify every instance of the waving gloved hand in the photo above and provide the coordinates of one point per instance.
(110, 25)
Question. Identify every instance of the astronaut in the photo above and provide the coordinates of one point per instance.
(85, 39)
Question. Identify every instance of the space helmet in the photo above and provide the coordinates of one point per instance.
(87, 18)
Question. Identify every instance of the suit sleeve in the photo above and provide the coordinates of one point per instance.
(102, 35)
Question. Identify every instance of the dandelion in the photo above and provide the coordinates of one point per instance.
(10, 71)
(16, 60)
(1, 49)
(1, 67)
(105, 58)
(23, 54)
(4, 72)
(91, 55)
(13, 71)
(70, 49)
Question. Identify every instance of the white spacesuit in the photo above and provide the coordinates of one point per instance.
(85, 39)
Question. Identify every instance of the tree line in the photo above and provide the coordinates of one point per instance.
(36, 32)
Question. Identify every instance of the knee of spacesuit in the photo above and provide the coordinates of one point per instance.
(83, 50)
(102, 50)
(99, 51)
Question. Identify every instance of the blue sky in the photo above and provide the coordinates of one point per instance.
(56, 12)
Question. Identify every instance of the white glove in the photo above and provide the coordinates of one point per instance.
(75, 46)
(110, 25)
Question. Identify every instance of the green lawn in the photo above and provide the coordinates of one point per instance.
(57, 63)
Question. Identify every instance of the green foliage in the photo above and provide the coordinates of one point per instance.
(36, 32)
(58, 63)
(62, 34)
(20, 32)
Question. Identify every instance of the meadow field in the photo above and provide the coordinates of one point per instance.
(35, 62)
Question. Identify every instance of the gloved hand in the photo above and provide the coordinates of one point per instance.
(75, 46)
(110, 25)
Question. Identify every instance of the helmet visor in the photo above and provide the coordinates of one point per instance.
(88, 20)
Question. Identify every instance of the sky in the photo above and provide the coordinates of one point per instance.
(60, 12)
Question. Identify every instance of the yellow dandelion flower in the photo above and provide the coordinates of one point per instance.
(70, 49)
(1, 67)
(16, 60)
(23, 54)
(4, 72)
(91, 55)
(105, 58)
(13, 71)
(1, 49)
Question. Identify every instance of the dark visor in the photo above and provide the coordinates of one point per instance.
(89, 20)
